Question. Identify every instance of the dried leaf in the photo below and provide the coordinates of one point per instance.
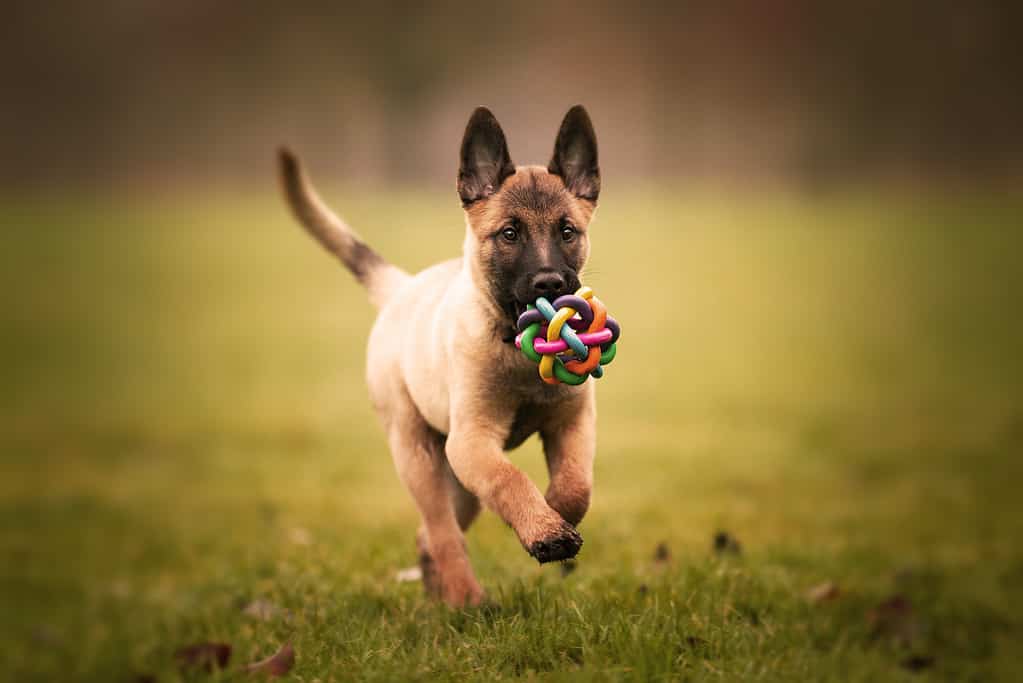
(917, 663)
(895, 607)
(748, 612)
(894, 618)
(726, 544)
(695, 641)
(824, 592)
(662, 553)
(203, 656)
(277, 664)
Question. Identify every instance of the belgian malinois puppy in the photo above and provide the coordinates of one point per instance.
(456, 394)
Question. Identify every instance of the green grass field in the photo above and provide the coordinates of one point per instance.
(184, 430)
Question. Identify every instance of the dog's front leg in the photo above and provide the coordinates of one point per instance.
(570, 443)
(476, 454)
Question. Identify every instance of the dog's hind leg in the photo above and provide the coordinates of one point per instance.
(467, 509)
(418, 452)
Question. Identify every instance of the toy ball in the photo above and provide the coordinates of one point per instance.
(571, 339)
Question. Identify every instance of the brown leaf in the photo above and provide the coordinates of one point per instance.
(725, 543)
(824, 592)
(894, 618)
(894, 608)
(277, 664)
(917, 663)
(695, 641)
(662, 553)
(203, 656)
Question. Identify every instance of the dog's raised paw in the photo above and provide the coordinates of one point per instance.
(563, 545)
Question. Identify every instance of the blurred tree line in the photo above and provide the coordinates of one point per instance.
(150, 92)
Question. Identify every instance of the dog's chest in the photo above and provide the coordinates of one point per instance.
(529, 418)
(537, 407)
(535, 404)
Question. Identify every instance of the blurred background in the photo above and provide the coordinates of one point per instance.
(802, 92)
(830, 192)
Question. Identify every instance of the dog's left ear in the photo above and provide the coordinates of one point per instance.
(575, 155)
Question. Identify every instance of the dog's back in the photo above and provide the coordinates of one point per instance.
(409, 347)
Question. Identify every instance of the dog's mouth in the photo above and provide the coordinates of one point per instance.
(520, 308)
(513, 309)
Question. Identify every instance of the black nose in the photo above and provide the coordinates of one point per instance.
(548, 285)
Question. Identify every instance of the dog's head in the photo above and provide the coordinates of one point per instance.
(527, 225)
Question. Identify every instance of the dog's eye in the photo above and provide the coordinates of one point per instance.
(567, 233)
(510, 234)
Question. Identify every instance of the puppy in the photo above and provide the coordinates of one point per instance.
(457, 394)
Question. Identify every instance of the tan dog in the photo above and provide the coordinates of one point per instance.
(448, 421)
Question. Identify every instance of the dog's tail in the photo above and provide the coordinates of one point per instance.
(378, 276)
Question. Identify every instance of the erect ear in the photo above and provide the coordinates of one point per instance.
(575, 155)
(484, 160)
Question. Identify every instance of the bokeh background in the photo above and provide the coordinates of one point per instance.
(802, 92)
(810, 229)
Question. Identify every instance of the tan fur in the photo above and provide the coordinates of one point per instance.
(452, 396)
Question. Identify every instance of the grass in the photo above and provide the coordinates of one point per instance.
(836, 382)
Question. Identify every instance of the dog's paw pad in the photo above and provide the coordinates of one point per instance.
(561, 546)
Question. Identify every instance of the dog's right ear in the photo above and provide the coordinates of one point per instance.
(484, 159)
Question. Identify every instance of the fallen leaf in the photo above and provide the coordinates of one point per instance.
(204, 656)
(725, 543)
(894, 618)
(918, 663)
(824, 592)
(277, 664)
(662, 553)
(895, 607)
(749, 613)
